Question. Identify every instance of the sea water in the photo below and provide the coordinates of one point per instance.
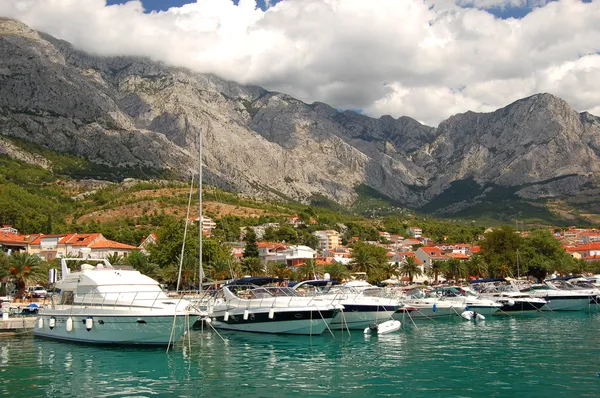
(538, 355)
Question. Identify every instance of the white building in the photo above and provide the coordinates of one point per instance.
(328, 239)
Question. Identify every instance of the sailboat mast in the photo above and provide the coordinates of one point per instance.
(187, 218)
(201, 270)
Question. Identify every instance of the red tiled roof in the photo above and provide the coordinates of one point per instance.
(110, 244)
(475, 249)
(459, 256)
(79, 239)
(8, 238)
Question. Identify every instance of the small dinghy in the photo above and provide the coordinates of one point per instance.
(472, 316)
(384, 327)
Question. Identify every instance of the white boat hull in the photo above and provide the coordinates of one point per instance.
(283, 320)
(114, 329)
(359, 319)
(566, 304)
(426, 311)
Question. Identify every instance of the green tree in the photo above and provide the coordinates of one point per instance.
(337, 271)
(477, 267)
(436, 269)
(24, 268)
(455, 269)
(367, 258)
(115, 259)
(252, 266)
(410, 268)
(280, 270)
(499, 248)
(251, 249)
(140, 262)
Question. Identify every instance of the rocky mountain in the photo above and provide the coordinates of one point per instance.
(129, 112)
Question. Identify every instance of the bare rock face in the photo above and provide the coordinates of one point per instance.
(133, 112)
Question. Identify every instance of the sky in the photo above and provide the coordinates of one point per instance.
(427, 59)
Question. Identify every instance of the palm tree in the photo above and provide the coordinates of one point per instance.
(410, 268)
(252, 266)
(503, 270)
(115, 258)
(436, 268)
(281, 271)
(477, 267)
(455, 269)
(362, 261)
(140, 262)
(337, 271)
(24, 268)
(390, 270)
(220, 268)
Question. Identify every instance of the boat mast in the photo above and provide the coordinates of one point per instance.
(201, 270)
(187, 218)
(518, 269)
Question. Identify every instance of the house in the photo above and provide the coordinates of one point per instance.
(328, 239)
(291, 255)
(430, 254)
(588, 252)
(208, 224)
(415, 232)
(11, 242)
(385, 236)
(151, 239)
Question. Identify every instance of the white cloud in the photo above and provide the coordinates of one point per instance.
(383, 56)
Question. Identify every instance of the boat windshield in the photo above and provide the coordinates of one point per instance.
(261, 292)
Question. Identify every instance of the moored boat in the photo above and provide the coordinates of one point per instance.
(248, 305)
(105, 305)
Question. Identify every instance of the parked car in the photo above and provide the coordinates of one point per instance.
(37, 291)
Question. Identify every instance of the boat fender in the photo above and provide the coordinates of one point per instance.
(511, 302)
(480, 317)
(52, 323)
(41, 323)
(272, 313)
(246, 313)
(89, 322)
(69, 326)
(434, 307)
(226, 316)
(207, 320)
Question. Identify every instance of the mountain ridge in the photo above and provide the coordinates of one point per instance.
(133, 112)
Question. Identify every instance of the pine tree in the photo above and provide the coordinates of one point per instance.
(251, 249)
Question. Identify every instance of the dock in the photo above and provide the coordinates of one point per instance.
(17, 325)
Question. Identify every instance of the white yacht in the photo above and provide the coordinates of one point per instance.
(106, 305)
(558, 297)
(470, 299)
(425, 306)
(248, 305)
(360, 310)
(508, 295)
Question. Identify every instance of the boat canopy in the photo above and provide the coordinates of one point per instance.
(257, 280)
(316, 282)
(488, 280)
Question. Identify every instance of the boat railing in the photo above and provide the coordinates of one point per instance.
(122, 300)
(275, 296)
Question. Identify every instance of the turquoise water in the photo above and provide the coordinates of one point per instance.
(542, 355)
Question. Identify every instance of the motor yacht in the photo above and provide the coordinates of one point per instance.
(110, 305)
(505, 293)
(424, 305)
(250, 305)
(559, 297)
(360, 310)
(469, 298)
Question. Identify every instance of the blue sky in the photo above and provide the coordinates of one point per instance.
(161, 5)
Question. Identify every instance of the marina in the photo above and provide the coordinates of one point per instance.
(522, 355)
